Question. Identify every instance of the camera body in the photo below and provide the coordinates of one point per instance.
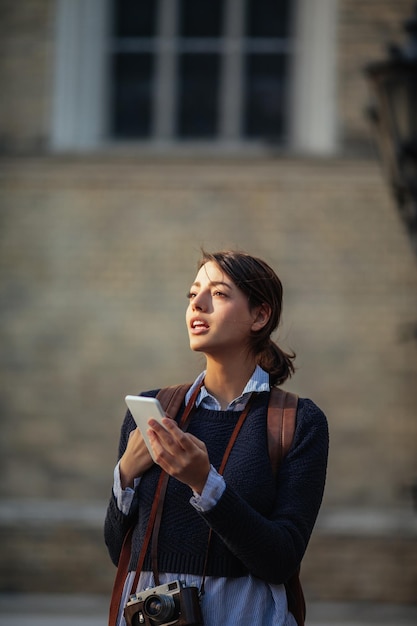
(165, 605)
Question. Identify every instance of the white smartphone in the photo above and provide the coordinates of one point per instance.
(142, 409)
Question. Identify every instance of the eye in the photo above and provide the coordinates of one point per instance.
(191, 295)
(220, 294)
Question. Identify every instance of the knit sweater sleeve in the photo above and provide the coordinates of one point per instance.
(116, 523)
(272, 548)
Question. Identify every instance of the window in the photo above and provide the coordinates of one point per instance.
(202, 43)
(168, 72)
(132, 71)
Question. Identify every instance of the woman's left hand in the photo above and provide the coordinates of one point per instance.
(179, 453)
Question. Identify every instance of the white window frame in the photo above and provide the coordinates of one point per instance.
(313, 93)
(80, 89)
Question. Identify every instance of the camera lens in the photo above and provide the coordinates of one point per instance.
(159, 608)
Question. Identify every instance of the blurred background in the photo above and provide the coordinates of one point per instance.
(133, 133)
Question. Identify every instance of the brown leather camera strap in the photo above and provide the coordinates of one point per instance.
(172, 399)
(157, 506)
(226, 454)
(230, 445)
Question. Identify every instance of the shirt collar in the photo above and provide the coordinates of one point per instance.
(259, 381)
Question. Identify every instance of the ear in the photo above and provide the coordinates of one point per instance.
(261, 317)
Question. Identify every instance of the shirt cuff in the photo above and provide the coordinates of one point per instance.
(124, 497)
(211, 494)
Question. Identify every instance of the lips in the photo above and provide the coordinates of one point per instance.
(198, 325)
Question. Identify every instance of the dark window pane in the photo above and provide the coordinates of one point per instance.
(200, 18)
(134, 18)
(264, 96)
(267, 18)
(198, 95)
(132, 95)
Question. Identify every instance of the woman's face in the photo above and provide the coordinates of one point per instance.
(218, 318)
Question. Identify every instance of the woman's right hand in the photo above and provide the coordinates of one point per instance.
(136, 459)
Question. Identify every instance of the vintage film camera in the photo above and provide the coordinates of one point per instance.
(172, 603)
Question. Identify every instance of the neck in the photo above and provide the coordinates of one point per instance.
(226, 381)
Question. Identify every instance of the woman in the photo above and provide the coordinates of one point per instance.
(260, 525)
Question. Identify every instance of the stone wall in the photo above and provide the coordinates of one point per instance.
(96, 258)
(26, 67)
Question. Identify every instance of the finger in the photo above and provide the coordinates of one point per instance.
(197, 442)
(168, 432)
(163, 425)
(159, 434)
(164, 453)
(159, 430)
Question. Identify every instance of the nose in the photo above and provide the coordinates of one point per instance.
(199, 302)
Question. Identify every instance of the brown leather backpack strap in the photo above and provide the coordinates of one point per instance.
(282, 410)
(172, 397)
(120, 578)
(295, 598)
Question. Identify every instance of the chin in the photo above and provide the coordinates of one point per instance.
(196, 347)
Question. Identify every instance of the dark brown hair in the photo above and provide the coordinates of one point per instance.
(262, 286)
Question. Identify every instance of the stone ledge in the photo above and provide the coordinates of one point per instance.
(369, 522)
(182, 173)
(52, 512)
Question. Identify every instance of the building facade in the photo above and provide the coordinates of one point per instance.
(128, 143)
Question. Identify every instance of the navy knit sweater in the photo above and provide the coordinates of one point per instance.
(261, 525)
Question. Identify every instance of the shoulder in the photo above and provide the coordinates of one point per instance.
(310, 415)
(311, 428)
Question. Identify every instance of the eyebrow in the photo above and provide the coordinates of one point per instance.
(213, 283)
